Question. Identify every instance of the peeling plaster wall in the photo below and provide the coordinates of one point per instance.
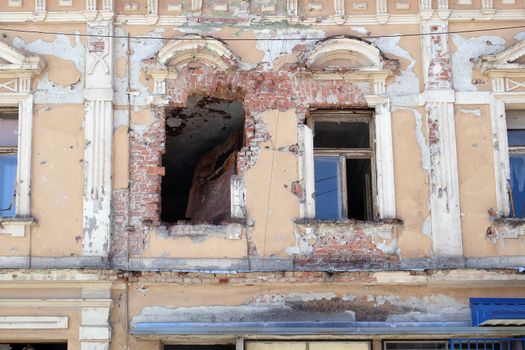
(59, 90)
(411, 156)
(271, 169)
(314, 300)
(467, 50)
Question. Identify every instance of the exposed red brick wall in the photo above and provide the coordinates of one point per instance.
(345, 245)
(439, 69)
(259, 91)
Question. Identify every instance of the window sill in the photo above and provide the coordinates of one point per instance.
(508, 228)
(232, 231)
(350, 222)
(16, 226)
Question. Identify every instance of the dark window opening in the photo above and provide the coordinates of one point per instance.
(516, 142)
(202, 142)
(343, 164)
(201, 347)
(33, 346)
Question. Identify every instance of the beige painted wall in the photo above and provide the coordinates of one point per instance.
(57, 178)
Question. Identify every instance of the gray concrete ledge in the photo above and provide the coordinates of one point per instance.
(62, 262)
(256, 264)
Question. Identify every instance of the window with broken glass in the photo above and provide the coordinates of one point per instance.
(516, 142)
(344, 164)
(8, 160)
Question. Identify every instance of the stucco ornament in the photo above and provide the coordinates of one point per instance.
(181, 52)
(194, 48)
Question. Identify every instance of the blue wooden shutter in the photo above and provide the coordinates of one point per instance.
(7, 184)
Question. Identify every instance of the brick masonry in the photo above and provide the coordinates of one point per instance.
(259, 91)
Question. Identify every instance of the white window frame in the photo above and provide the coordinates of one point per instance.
(15, 91)
(506, 78)
(501, 104)
(365, 116)
(372, 72)
(384, 163)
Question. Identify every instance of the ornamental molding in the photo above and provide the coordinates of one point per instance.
(345, 49)
(33, 322)
(15, 63)
(504, 63)
(195, 48)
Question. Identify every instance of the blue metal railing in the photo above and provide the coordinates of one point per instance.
(509, 343)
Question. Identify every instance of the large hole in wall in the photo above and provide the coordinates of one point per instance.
(202, 142)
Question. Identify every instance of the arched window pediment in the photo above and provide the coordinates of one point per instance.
(194, 48)
(343, 53)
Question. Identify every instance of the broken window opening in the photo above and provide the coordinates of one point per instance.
(8, 160)
(202, 143)
(344, 164)
(516, 143)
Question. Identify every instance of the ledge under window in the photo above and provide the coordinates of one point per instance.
(346, 243)
(232, 230)
(506, 228)
(16, 226)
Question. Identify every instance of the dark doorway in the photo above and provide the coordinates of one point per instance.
(202, 141)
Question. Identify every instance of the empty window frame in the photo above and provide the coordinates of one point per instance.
(516, 142)
(344, 164)
(8, 160)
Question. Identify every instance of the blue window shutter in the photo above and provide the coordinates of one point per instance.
(7, 184)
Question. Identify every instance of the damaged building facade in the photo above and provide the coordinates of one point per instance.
(266, 174)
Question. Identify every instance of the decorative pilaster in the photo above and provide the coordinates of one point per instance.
(291, 6)
(425, 9)
(107, 5)
(339, 7)
(487, 7)
(153, 7)
(91, 5)
(196, 5)
(98, 131)
(443, 10)
(95, 331)
(40, 5)
(382, 11)
(439, 108)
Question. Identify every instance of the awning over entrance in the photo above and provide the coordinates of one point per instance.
(315, 328)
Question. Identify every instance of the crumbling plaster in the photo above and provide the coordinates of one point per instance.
(55, 92)
(411, 155)
(313, 301)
